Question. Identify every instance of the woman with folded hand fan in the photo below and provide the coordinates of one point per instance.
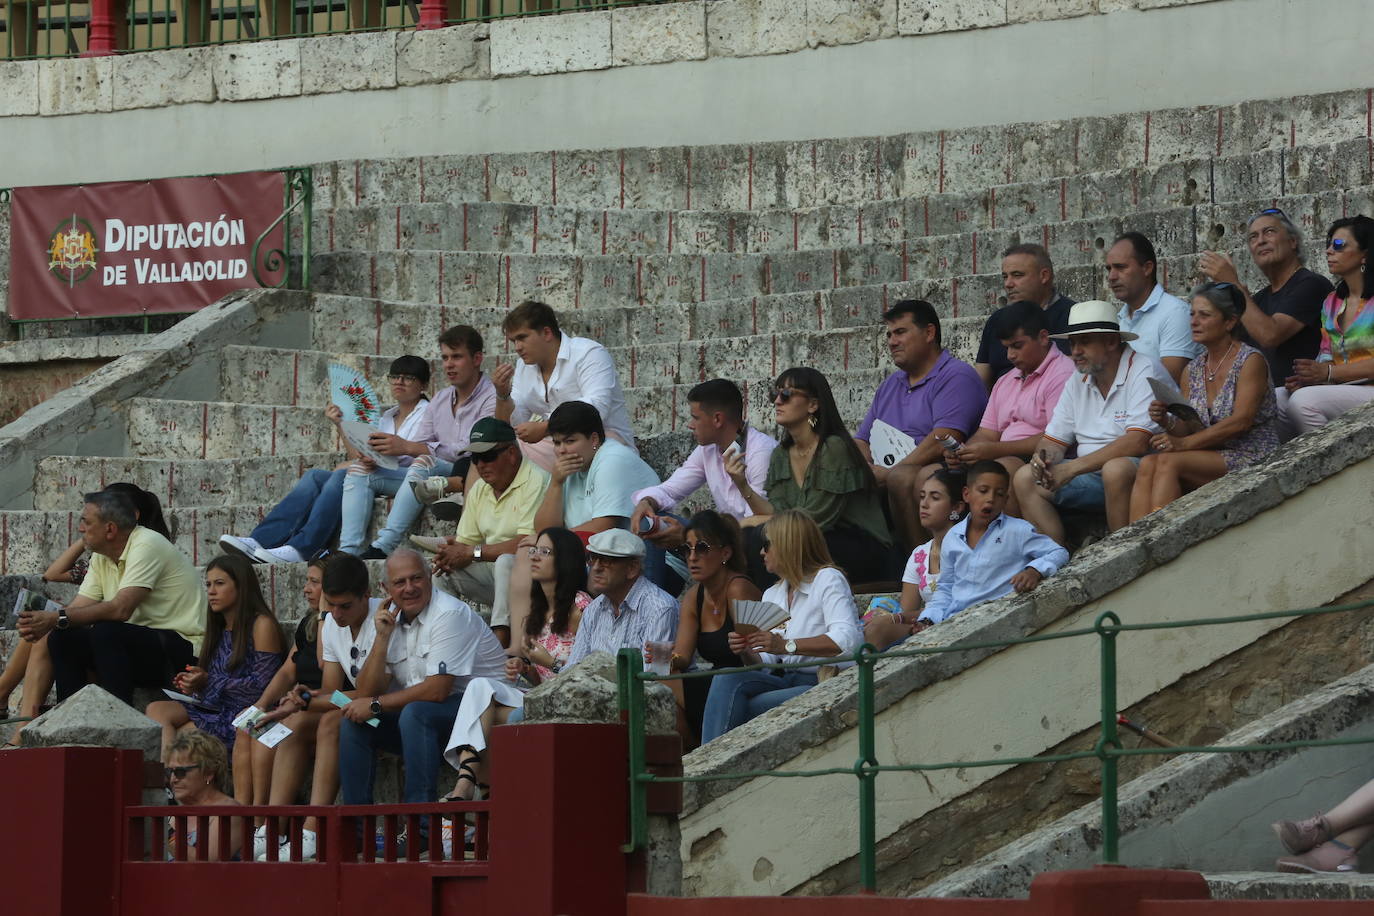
(715, 561)
(822, 623)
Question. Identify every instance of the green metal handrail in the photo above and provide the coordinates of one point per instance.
(631, 678)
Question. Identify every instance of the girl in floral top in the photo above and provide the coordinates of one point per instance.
(1339, 378)
(243, 649)
(941, 506)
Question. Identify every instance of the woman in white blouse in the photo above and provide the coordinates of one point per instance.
(824, 623)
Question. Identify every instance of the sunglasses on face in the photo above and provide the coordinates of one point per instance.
(767, 544)
(179, 772)
(1338, 244)
(700, 547)
(492, 455)
(401, 377)
(786, 394)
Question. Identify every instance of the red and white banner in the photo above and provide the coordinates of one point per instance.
(139, 247)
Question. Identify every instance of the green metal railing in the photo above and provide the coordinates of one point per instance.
(866, 768)
(60, 28)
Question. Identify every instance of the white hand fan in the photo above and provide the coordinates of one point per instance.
(352, 393)
(888, 444)
(757, 615)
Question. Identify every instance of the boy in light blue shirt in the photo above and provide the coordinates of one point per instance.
(989, 554)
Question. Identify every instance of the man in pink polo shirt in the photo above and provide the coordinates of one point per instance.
(1022, 400)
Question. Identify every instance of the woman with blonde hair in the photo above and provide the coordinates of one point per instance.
(823, 623)
(197, 771)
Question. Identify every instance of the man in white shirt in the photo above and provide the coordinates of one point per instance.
(1105, 411)
(718, 426)
(554, 369)
(1161, 323)
(428, 646)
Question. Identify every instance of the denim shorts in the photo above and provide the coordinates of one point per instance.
(1084, 492)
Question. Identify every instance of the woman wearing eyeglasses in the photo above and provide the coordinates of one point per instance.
(196, 772)
(558, 596)
(1229, 390)
(818, 469)
(241, 652)
(715, 562)
(824, 623)
(1339, 378)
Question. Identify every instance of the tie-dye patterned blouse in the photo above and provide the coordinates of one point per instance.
(1358, 340)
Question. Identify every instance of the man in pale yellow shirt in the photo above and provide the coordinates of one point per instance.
(498, 513)
(139, 616)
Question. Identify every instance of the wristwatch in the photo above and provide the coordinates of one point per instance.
(376, 706)
(63, 621)
(790, 647)
(477, 552)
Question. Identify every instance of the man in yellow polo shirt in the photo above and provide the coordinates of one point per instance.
(497, 515)
(140, 614)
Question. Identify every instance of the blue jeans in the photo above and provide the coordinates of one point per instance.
(308, 517)
(358, 492)
(405, 508)
(736, 698)
(418, 733)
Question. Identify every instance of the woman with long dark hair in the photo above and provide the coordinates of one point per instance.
(818, 469)
(242, 650)
(558, 595)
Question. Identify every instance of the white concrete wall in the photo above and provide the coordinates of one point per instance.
(772, 70)
(1029, 698)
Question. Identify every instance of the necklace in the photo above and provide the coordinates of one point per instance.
(1207, 363)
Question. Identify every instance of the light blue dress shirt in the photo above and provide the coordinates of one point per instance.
(969, 575)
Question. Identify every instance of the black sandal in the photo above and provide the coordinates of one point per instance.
(468, 772)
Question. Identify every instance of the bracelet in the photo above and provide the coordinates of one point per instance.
(1329, 367)
(898, 618)
(672, 661)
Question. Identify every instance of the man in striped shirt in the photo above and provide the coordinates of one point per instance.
(629, 609)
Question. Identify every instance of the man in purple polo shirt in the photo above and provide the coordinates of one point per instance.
(931, 396)
(1023, 399)
(440, 465)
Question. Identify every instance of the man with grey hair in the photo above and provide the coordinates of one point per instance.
(1027, 276)
(140, 614)
(1284, 318)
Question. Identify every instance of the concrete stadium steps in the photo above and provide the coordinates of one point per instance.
(33, 538)
(516, 228)
(788, 175)
(61, 480)
(167, 428)
(1261, 885)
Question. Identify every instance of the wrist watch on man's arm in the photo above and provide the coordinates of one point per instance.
(376, 707)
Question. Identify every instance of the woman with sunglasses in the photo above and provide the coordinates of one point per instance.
(823, 624)
(241, 652)
(1229, 390)
(558, 596)
(274, 775)
(196, 772)
(1339, 378)
(818, 469)
(715, 561)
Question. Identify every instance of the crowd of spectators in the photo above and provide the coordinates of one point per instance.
(569, 544)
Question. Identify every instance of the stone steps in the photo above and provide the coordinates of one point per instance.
(168, 428)
(61, 480)
(786, 175)
(1028, 208)
(1260, 885)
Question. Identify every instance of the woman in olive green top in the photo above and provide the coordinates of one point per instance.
(818, 469)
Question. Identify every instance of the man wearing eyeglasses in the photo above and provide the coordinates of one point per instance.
(1282, 319)
(429, 646)
(499, 513)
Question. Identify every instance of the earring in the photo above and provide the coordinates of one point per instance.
(812, 421)
(954, 516)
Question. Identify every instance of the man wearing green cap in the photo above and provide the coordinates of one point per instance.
(498, 513)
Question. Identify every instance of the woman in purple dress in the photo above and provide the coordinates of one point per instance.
(243, 648)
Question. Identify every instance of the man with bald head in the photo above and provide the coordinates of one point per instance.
(429, 645)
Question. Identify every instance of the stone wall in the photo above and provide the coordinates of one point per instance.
(676, 73)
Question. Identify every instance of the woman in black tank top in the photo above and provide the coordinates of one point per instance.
(715, 560)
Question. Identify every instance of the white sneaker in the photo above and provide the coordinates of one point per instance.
(260, 844)
(244, 547)
(307, 845)
(283, 554)
(429, 490)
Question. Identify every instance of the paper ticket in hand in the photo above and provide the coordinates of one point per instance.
(274, 735)
(340, 699)
(888, 444)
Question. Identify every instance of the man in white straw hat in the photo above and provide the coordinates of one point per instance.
(1105, 412)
